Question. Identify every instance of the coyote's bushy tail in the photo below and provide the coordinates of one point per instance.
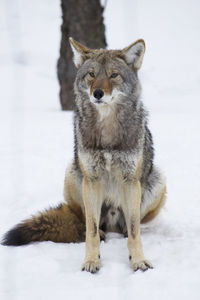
(64, 224)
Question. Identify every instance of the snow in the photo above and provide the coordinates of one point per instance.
(37, 144)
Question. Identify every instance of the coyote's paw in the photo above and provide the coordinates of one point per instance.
(142, 265)
(91, 266)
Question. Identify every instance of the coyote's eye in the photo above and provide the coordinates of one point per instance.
(114, 75)
(91, 74)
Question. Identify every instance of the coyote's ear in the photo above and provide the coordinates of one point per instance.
(133, 54)
(79, 51)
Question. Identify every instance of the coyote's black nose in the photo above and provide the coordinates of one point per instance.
(98, 93)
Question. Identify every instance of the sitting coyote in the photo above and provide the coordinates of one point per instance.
(112, 184)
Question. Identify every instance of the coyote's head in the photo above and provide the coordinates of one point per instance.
(106, 74)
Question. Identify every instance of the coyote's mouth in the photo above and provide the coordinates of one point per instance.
(99, 102)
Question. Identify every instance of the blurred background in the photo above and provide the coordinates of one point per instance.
(35, 48)
(36, 140)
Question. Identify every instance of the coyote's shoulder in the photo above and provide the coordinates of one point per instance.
(112, 184)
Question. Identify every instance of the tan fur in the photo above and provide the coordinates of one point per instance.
(104, 84)
(73, 193)
(131, 207)
(138, 169)
(81, 48)
(92, 197)
(155, 208)
(60, 225)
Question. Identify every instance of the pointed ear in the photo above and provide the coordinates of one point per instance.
(133, 54)
(80, 52)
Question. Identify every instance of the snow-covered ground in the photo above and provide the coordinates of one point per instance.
(36, 144)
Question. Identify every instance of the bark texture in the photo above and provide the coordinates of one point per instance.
(82, 20)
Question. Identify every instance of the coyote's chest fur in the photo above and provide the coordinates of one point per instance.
(111, 153)
(111, 169)
(108, 125)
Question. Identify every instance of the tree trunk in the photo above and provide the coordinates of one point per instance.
(83, 21)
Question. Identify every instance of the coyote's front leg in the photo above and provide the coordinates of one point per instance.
(131, 207)
(92, 197)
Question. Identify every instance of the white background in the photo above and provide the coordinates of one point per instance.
(36, 144)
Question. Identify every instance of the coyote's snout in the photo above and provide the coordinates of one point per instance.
(101, 87)
(112, 183)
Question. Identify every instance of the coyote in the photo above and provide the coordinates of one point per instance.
(112, 183)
